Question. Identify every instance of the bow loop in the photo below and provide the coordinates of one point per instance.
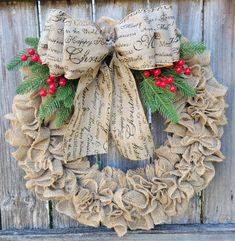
(148, 38)
(71, 47)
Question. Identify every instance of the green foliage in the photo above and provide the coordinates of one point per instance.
(39, 69)
(32, 41)
(182, 86)
(60, 104)
(188, 49)
(30, 84)
(37, 78)
(158, 99)
(16, 63)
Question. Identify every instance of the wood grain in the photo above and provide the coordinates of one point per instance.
(162, 233)
(219, 36)
(19, 208)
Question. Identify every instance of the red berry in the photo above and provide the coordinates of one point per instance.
(52, 86)
(156, 72)
(23, 57)
(164, 79)
(158, 83)
(31, 51)
(170, 80)
(180, 62)
(35, 58)
(50, 81)
(52, 77)
(40, 61)
(42, 92)
(163, 85)
(51, 91)
(187, 71)
(62, 82)
(146, 73)
(172, 88)
(178, 70)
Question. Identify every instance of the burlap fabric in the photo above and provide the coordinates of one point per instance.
(137, 199)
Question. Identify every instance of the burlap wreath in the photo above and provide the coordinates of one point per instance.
(139, 198)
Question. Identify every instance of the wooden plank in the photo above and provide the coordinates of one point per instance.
(219, 36)
(163, 233)
(79, 9)
(19, 208)
(189, 20)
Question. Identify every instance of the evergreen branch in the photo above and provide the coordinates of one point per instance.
(188, 49)
(32, 41)
(158, 99)
(16, 63)
(182, 86)
(62, 115)
(49, 108)
(39, 69)
(30, 84)
(64, 91)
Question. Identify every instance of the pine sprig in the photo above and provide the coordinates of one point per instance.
(158, 100)
(32, 41)
(39, 69)
(189, 49)
(184, 88)
(49, 108)
(60, 104)
(30, 84)
(62, 115)
(16, 63)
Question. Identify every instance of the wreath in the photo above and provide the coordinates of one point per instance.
(79, 87)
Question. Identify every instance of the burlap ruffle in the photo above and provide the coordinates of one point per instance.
(139, 198)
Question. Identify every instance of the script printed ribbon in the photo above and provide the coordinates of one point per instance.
(107, 99)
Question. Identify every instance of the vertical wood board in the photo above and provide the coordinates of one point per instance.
(19, 207)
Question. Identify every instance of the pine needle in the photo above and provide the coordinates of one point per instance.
(62, 116)
(30, 84)
(158, 99)
(189, 49)
(32, 41)
(49, 108)
(183, 87)
(16, 63)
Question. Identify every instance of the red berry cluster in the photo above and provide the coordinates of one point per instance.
(163, 82)
(53, 82)
(32, 54)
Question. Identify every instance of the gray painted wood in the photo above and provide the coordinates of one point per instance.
(19, 208)
(219, 36)
(162, 233)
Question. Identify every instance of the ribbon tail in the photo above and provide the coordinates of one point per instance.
(88, 128)
(129, 126)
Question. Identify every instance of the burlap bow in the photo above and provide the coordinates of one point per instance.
(107, 99)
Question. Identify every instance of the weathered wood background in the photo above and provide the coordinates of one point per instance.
(211, 21)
